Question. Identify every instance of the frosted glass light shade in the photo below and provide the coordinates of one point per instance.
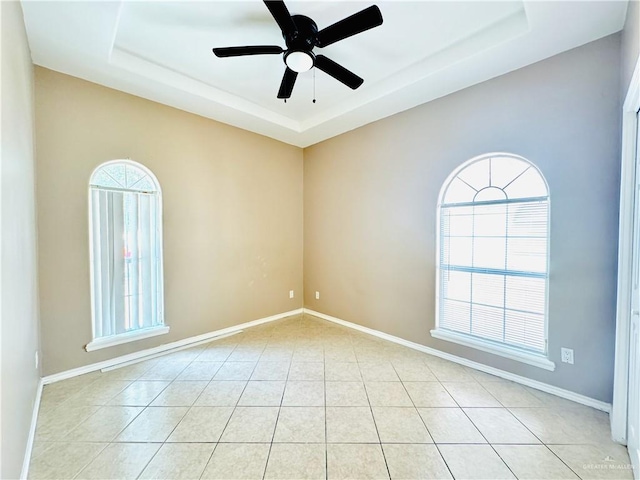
(299, 61)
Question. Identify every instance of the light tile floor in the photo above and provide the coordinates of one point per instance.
(304, 398)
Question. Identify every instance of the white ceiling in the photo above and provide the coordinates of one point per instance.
(422, 51)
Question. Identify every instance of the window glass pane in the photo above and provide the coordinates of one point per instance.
(476, 174)
(116, 171)
(489, 252)
(487, 322)
(456, 285)
(123, 176)
(505, 169)
(526, 294)
(460, 221)
(529, 184)
(102, 179)
(528, 219)
(489, 194)
(458, 192)
(525, 330)
(145, 185)
(134, 175)
(527, 254)
(488, 289)
(490, 220)
(132, 259)
(445, 222)
(445, 251)
(455, 315)
(460, 251)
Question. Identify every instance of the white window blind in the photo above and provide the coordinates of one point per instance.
(126, 249)
(493, 253)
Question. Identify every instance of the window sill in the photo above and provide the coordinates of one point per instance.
(113, 340)
(533, 359)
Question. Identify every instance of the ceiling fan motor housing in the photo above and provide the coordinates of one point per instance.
(305, 35)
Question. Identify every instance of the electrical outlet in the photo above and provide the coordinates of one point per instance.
(566, 355)
(317, 295)
(37, 360)
(290, 293)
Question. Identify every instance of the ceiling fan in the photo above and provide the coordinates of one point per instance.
(301, 35)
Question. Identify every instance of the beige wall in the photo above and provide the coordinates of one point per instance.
(232, 214)
(19, 279)
(630, 43)
(370, 207)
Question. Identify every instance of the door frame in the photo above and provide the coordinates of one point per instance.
(625, 258)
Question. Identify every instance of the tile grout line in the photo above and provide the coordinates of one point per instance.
(474, 425)
(91, 461)
(144, 408)
(228, 419)
(420, 416)
(234, 407)
(326, 433)
(111, 442)
(366, 392)
(275, 426)
(511, 444)
(107, 443)
(179, 421)
(525, 427)
(539, 439)
(77, 394)
(86, 387)
(565, 463)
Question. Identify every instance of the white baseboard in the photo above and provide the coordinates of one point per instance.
(32, 432)
(174, 346)
(166, 352)
(545, 387)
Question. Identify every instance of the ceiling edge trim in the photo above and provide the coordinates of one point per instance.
(153, 71)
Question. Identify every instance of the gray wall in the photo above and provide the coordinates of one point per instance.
(370, 207)
(19, 283)
(630, 44)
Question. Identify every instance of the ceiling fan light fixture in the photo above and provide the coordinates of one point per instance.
(299, 61)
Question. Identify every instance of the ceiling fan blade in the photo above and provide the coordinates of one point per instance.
(241, 51)
(288, 81)
(338, 72)
(281, 15)
(357, 23)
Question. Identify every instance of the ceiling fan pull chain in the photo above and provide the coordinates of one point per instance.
(314, 85)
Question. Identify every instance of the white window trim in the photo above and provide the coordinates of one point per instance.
(530, 358)
(540, 360)
(132, 336)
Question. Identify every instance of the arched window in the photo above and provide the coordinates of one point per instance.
(126, 253)
(493, 256)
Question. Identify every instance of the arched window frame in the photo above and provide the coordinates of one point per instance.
(159, 328)
(538, 359)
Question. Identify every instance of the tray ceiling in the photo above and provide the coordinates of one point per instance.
(423, 50)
